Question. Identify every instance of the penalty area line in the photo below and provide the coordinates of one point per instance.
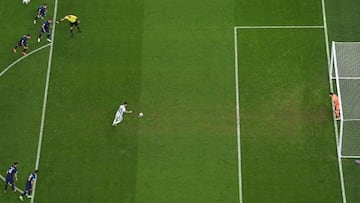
(281, 27)
(46, 90)
(23, 57)
(237, 103)
(17, 189)
(238, 29)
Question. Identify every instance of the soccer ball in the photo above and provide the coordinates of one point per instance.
(26, 1)
(141, 114)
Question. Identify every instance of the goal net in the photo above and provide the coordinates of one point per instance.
(345, 75)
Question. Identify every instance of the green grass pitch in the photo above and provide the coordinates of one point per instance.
(174, 61)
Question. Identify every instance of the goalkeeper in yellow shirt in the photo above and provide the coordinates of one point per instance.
(73, 20)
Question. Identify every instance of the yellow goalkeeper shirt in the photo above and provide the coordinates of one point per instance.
(71, 18)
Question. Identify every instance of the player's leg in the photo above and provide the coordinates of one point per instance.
(71, 29)
(48, 36)
(40, 34)
(337, 113)
(36, 18)
(24, 193)
(24, 51)
(6, 185)
(21, 197)
(113, 123)
(117, 117)
(118, 120)
(15, 48)
(29, 193)
(12, 183)
(77, 26)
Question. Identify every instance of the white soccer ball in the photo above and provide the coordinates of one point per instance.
(26, 1)
(141, 114)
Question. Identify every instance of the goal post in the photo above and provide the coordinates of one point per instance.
(344, 71)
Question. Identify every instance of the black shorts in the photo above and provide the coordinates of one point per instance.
(46, 31)
(76, 23)
(21, 45)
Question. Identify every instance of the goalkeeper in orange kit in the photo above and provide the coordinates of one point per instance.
(73, 20)
(335, 100)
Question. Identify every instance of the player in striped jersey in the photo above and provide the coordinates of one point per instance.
(41, 12)
(119, 114)
(29, 186)
(45, 28)
(11, 175)
(22, 43)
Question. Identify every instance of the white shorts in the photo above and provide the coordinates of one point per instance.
(118, 119)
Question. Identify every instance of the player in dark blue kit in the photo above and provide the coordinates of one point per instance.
(29, 185)
(45, 28)
(22, 43)
(41, 12)
(11, 175)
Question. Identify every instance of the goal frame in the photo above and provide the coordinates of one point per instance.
(335, 78)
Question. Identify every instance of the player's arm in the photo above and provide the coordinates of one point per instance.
(128, 111)
(24, 45)
(43, 28)
(16, 177)
(62, 19)
(38, 13)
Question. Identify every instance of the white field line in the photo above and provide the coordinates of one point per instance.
(41, 133)
(23, 57)
(281, 27)
(326, 35)
(341, 173)
(238, 115)
(17, 189)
